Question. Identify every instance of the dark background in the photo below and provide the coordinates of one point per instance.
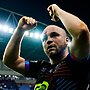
(37, 9)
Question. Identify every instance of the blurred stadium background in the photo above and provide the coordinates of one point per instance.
(31, 45)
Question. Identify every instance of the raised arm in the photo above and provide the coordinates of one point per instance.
(11, 57)
(76, 27)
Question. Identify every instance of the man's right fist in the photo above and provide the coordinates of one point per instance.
(26, 23)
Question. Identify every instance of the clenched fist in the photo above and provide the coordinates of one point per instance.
(53, 12)
(26, 23)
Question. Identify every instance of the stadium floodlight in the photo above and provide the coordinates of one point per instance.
(26, 33)
(10, 30)
(36, 35)
(5, 28)
(31, 34)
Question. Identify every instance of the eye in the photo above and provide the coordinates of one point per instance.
(54, 34)
(44, 37)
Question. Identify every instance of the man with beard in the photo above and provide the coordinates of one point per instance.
(68, 66)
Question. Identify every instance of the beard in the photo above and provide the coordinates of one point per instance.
(52, 53)
(55, 53)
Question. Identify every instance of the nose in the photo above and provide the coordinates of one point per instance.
(49, 41)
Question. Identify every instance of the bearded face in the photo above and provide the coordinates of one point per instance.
(54, 41)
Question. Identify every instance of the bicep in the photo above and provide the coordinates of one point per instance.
(80, 45)
(19, 65)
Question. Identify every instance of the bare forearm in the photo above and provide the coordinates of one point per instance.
(72, 23)
(12, 51)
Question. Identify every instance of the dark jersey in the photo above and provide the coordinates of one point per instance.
(69, 74)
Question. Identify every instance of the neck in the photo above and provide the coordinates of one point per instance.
(59, 57)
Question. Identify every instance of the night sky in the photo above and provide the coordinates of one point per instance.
(38, 8)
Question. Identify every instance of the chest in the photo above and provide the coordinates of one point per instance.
(61, 69)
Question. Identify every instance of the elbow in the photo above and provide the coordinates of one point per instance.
(5, 59)
(83, 27)
(5, 62)
(83, 32)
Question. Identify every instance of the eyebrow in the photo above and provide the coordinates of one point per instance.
(51, 33)
(54, 33)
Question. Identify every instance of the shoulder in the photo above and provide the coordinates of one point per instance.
(72, 59)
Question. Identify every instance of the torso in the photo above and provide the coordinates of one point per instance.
(66, 75)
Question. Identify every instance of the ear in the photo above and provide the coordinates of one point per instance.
(67, 40)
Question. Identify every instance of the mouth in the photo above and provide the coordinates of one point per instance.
(50, 48)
